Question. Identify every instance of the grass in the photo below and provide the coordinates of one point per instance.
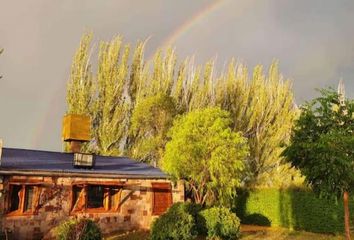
(272, 233)
(248, 233)
(135, 235)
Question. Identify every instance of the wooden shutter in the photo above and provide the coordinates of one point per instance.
(162, 197)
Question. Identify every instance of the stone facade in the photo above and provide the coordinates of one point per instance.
(55, 204)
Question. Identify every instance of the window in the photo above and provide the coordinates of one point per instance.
(95, 197)
(22, 199)
(15, 198)
(28, 198)
(162, 197)
(91, 197)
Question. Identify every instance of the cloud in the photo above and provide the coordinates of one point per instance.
(313, 40)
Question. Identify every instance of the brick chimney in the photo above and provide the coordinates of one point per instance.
(76, 130)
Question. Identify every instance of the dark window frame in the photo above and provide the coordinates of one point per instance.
(23, 200)
(83, 198)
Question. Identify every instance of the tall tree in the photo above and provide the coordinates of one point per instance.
(322, 146)
(150, 122)
(206, 153)
(107, 97)
(110, 107)
(80, 85)
(263, 108)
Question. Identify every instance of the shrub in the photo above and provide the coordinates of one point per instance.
(221, 223)
(84, 229)
(176, 224)
(297, 209)
(199, 221)
(63, 230)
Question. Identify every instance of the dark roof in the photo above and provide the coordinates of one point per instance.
(40, 162)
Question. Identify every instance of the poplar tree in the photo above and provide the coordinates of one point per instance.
(110, 108)
(126, 88)
(263, 109)
(80, 90)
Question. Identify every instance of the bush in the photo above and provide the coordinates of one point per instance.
(84, 229)
(199, 221)
(221, 223)
(176, 224)
(297, 209)
(63, 230)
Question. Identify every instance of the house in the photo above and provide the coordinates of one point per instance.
(40, 189)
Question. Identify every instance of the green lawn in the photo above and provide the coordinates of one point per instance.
(248, 233)
(284, 234)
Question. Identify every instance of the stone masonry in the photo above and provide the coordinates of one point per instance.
(55, 206)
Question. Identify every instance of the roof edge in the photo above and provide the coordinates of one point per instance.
(72, 174)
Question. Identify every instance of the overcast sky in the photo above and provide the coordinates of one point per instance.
(312, 39)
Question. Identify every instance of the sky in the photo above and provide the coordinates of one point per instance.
(312, 39)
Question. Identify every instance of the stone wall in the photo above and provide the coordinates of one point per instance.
(55, 205)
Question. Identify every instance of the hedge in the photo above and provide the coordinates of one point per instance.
(297, 209)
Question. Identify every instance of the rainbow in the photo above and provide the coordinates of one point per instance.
(167, 42)
(191, 22)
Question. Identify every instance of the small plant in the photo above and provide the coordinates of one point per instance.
(221, 223)
(176, 224)
(64, 229)
(84, 229)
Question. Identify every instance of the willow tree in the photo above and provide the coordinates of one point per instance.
(207, 154)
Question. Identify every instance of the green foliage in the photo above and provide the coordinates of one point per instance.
(83, 229)
(80, 84)
(297, 209)
(221, 223)
(151, 119)
(206, 153)
(195, 210)
(322, 144)
(176, 224)
(63, 230)
(261, 106)
(110, 108)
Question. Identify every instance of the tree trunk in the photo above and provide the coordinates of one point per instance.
(346, 215)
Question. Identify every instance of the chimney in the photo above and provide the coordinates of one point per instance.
(76, 130)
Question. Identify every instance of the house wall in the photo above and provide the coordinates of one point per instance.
(55, 205)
